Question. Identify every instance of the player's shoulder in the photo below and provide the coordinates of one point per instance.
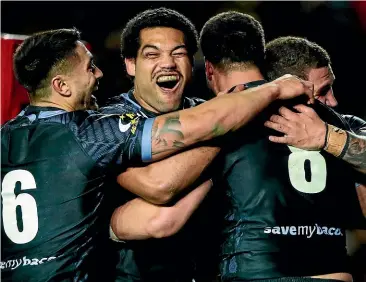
(355, 123)
(75, 121)
(56, 117)
(190, 102)
(330, 116)
(120, 104)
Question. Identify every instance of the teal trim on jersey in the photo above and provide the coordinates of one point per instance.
(146, 153)
(42, 114)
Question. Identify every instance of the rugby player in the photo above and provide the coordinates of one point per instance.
(286, 208)
(166, 40)
(310, 61)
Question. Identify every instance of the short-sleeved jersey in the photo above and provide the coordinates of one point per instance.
(286, 208)
(167, 259)
(358, 127)
(53, 169)
(356, 124)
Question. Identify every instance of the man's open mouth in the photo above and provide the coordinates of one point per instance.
(167, 82)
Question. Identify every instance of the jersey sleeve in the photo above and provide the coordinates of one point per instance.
(116, 139)
(357, 124)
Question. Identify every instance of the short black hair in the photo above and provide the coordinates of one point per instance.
(160, 17)
(233, 37)
(294, 55)
(40, 53)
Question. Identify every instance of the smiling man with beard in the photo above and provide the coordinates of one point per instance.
(158, 48)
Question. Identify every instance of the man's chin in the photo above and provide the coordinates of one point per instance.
(170, 106)
(91, 106)
(94, 107)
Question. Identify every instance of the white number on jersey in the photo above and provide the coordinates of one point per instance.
(25, 201)
(318, 168)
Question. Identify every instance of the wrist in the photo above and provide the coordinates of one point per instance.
(273, 90)
(336, 140)
(325, 136)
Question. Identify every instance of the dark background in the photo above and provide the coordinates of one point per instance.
(340, 27)
(336, 26)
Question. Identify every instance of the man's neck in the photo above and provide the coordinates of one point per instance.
(44, 103)
(145, 105)
(232, 78)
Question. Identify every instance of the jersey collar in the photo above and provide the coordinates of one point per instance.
(249, 84)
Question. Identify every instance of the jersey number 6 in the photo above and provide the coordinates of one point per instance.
(296, 169)
(25, 201)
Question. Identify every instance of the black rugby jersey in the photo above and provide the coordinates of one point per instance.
(286, 208)
(356, 124)
(166, 259)
(53, 168)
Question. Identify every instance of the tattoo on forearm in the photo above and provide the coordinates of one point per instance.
(356, 152)
(167, 134)
(218, 130)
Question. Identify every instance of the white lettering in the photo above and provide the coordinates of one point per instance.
(319, 230)
(285, 230)
(293, 230)
(18, 263)
(312, 230)
(338, 232)
(303, 230)
(42, 260)
(13, 264)
(307, 231)
(26, 261)
(267, 230)
(9, 263)
(276, 230)
(330, 231)
(34, 261)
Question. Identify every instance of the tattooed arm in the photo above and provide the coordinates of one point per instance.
(175, 131)
(355, 152)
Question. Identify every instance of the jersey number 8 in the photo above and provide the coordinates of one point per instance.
(296, 169)
(25, 201)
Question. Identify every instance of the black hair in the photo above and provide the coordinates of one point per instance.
(293, 55)
(161, 17)
(40, 53)
(233, 37)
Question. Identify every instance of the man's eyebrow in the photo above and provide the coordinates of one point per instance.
(149, 46)
(90, 61)
(179, 47)
(90, 57)
(325, 85)
(156, 48)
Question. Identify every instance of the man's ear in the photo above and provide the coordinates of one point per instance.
(60, 85)
(130, 66)
(208, 70)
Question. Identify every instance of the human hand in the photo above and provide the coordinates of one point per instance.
(291, 86)
(304, 130)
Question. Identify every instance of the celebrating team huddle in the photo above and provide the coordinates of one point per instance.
(256, 184)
